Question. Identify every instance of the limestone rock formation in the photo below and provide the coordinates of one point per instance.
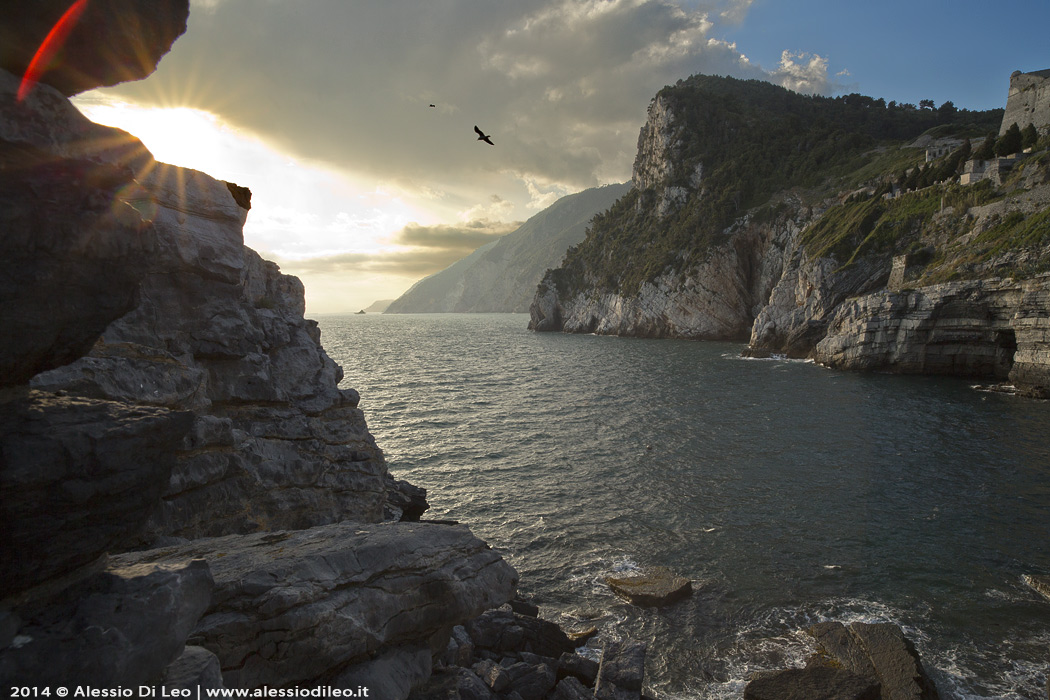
(1028, 101)
(299, 606)
(78, 478)
(110, 42)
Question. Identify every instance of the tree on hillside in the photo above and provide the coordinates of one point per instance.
(946, 112)
(1029, 136)
(1010, 142)
(925, 104)
(986, 150)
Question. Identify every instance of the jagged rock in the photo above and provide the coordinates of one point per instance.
(120, 627)
(195, 668)
(112, 41)
(525, 607)
(290, 607)
(78, 478)
(622, 671)
(531, 681)
(816, 683)
(404, 501)
(503, 630)
(653, 586)
(576, 666)
(220, 331)
(493, 675)
(460, 648)
(571, 689)
(453, 683)
(1040, 584)
(896, 662)
(878, 652)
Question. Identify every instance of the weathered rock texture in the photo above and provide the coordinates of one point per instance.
(205, 407)
(862, 661)
(1028, 101)
(991, 328)
(218, 331)
(763, 278)
(111, 41)
(302, 606)
(653, 586)
(716, 300)
(120, 627)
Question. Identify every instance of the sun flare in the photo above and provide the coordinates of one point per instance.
(183, 136)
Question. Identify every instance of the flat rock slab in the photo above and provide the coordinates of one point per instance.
(653, 586)
(291, 607)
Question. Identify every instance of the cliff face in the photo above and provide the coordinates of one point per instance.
(1028, 101)
(502, 276)
(806, 273)
(206, 417)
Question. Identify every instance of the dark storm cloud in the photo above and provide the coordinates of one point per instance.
(561, 85)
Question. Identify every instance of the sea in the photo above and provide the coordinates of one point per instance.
(787, 492)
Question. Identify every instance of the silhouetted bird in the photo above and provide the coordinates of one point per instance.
(433, 105)
(482, 136)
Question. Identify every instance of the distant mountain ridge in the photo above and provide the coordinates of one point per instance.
(501, 276)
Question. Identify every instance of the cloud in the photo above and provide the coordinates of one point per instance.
(458, 239)
(561, 84)
(804, 73)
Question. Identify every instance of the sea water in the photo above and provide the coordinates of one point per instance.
(787, 492)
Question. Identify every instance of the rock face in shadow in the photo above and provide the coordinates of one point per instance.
(295, 607)
(78, 478)
(110, 41)
(120, 627)
(216, 330)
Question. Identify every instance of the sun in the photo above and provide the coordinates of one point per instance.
(183, 136)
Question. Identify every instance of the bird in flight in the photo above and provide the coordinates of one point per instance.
(482, 136)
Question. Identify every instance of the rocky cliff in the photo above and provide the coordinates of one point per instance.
(806, 270)
(161, 386)
(502, 276)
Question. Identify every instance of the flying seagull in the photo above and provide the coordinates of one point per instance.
(482, 136)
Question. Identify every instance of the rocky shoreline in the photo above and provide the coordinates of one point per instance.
(187, 499)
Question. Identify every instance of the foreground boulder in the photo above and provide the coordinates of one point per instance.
(298, 607)
(120, 627)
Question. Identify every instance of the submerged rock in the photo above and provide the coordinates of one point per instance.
(653, 586)
(861, 661)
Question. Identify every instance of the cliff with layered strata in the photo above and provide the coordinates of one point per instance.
(186, 496)
(862, 259)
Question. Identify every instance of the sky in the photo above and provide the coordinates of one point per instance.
(352, 122)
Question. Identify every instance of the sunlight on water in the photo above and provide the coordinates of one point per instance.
(789, 493)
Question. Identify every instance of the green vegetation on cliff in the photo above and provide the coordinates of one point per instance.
(750, 140)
